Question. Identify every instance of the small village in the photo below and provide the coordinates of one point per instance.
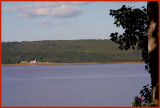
(30, 62)
(33, 61)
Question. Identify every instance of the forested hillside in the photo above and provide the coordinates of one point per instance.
(66, 51)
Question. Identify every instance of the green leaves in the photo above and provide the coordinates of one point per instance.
(134, 23)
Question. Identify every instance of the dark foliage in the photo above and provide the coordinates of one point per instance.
(146, 97)
(134, 23)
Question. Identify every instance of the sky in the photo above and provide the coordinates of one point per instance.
(35, 21)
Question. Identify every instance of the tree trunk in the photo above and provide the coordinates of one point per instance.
(152, 20)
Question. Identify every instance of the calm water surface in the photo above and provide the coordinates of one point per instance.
(73, 85)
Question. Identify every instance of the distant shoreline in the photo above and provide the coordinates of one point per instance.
(27, 64)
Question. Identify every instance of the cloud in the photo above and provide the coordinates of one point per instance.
(66, 11)
(53, 9)
(36, 12)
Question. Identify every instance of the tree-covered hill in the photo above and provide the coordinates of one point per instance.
(66, 51)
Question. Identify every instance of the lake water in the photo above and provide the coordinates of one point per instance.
(73, 85)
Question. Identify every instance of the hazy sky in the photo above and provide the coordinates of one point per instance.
(31, 21)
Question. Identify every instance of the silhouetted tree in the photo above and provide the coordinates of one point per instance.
(153, 26)
(138, 25)
(134, 23)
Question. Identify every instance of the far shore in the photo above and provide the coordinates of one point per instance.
(26, 64)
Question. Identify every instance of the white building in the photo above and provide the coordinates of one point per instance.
(33, 61)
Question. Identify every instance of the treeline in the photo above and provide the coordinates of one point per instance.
(66, 51)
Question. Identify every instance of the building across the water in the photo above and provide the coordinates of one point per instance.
(33, 61)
